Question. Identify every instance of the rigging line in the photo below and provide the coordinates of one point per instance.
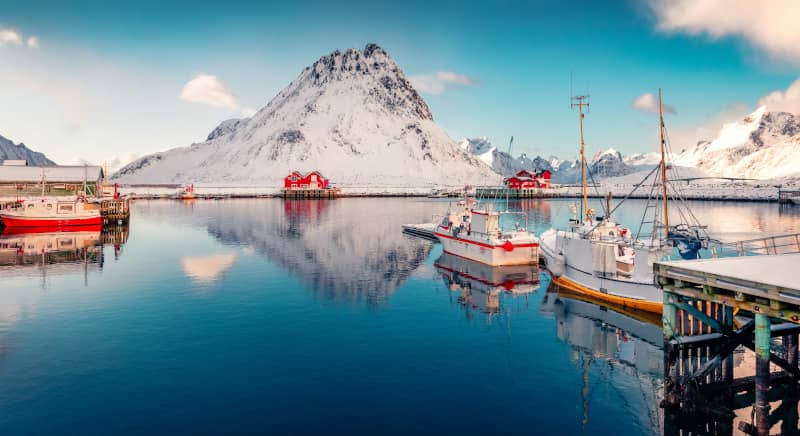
(597, 191)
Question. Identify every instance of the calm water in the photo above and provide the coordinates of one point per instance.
(265, 316)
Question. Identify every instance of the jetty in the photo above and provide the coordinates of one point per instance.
(505, 192)
(785, 196)
(712, 307)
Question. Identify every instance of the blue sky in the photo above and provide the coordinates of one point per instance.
(102, 81)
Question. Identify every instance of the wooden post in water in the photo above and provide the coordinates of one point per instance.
(761, 407)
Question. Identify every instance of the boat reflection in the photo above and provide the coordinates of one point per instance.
(82, 245)
(480, 286)
(621, 347)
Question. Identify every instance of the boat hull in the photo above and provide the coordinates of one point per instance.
(494, 255)
(11, 222)
(570, 274)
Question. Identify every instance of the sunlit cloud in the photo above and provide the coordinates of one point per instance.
(648, 102)
(208, 89)
(770, 26)
(10, 36)
(783, 101)
(33, 42)
(440, 81)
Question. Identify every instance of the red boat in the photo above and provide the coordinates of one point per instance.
(53, 213)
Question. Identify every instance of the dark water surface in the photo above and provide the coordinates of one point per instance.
(265, 316)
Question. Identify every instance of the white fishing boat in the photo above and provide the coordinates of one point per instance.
(474, 232)
(597, 256)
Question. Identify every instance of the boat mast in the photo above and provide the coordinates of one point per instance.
(580, 104)
(663, 165)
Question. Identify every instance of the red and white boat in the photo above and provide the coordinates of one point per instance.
(474, 233)
(52, 212)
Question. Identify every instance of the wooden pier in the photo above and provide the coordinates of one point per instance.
(310, 193)
(488, 192)
(712, 307)
(115, 211)
(785, 195)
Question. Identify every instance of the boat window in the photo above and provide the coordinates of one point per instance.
(64, 208)
(49, 206)
(30, 206)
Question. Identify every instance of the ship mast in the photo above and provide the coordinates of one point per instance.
(580, 104)
(663, 165)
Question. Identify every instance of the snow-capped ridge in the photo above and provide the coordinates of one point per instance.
(353, 115)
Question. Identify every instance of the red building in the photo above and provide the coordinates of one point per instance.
(312, 180)
(528, 180)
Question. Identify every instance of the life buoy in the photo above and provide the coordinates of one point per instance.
(508, 246)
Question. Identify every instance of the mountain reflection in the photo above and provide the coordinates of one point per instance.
(619, 347)
(345, 249)
(480, 286)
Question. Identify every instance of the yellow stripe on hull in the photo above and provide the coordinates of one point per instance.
(648, 306)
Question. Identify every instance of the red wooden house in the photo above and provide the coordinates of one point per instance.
(528, 180)
(312, 180)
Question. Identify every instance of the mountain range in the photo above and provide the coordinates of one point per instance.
(11, 151)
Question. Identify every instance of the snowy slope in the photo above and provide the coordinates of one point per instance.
(352, 115)
(9, 150)
(763, 145)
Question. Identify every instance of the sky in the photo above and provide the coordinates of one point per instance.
(108, 81)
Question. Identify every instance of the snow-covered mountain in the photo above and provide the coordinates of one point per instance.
(9, 150)
(352, 115)
(763, 145)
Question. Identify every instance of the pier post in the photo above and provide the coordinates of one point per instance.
(763, 334)
(727, 327)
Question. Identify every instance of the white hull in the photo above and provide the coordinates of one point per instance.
(490, 254)
(570, 261)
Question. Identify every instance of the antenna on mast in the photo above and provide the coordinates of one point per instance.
(581, 101)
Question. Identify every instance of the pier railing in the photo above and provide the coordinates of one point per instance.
(778, 244)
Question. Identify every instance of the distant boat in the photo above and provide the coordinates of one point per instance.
(438, 193)
(473, 232)
(187, 193)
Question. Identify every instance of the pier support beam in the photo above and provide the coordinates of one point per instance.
(763, 335)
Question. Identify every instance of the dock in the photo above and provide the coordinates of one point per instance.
(785, 195)
(424, 231)
(713, 307)
(502, 192)
(115, 211)
(310, 193)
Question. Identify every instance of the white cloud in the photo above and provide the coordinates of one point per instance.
(648, 102)
(440, 81)
(208, 89)
(770, 25)
(33, 42)
(10, 36)
(783, 101)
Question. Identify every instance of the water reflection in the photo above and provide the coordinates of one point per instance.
(349, 250)
(59, 250)
(618, 349)
(207, 268)
(481, 286)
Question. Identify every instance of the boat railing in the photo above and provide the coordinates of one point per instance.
(777, 244)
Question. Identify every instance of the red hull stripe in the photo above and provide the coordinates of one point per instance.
(481, 244)
(23, 222)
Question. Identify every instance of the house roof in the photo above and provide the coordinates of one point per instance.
(53, 174)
